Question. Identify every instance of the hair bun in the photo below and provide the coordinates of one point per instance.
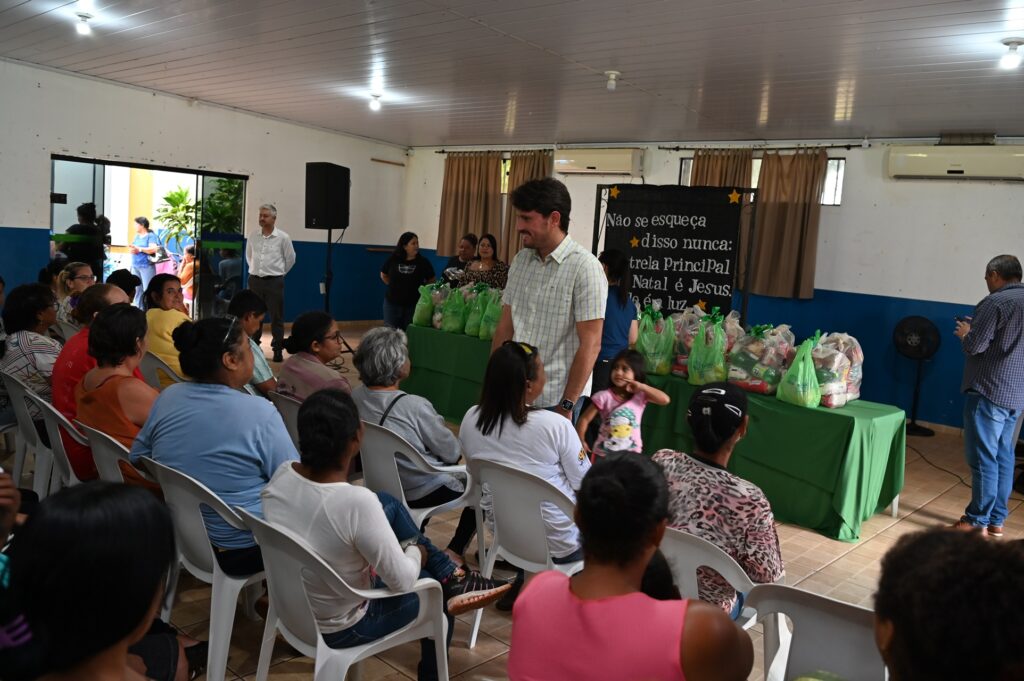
(185, 336)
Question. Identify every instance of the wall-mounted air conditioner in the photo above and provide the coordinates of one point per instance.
(599, 161)
(996, 162)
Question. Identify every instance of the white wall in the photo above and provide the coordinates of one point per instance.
(925, 240)
(43, 112)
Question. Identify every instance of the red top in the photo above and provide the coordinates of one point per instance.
(73, 363)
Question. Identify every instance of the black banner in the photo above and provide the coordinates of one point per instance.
(681, 241)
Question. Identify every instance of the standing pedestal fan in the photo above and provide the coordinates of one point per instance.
(916, 338)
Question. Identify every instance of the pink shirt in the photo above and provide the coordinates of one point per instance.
(620, 422)
(556, 635)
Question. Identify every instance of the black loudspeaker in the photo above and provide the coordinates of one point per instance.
(327, 194)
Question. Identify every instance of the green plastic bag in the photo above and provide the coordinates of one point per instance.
(424, 307)
(476, 311)
(656, 341)
(491, 317)
(799, 384)
(454, 313)
(707, 359)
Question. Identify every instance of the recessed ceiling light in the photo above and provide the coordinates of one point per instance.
(374, 102)
(83, 26)
(1011, 59)
(613, 78)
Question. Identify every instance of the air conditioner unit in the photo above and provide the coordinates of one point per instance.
(599, 161)
(994, 162)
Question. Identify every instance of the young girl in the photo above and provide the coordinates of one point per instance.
(621, 407)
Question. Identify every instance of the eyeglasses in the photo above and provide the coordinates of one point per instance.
(86, 277)
(231, 328)
(336, 337)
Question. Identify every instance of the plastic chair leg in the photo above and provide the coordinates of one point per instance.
(224, 599)
(20, 453)
(481, 546)
(250, 595)
(171, 590)
(43, 471)
(267, 645)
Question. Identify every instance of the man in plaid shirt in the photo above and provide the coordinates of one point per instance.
(556, 295)
(993, 343)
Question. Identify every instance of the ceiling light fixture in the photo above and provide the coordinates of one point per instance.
(374, 102)
(83, 26)
(1011, 59)
(613, 79)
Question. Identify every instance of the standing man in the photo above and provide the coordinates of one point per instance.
(270, 255)
(87, 246)
(457, 264)
(555, 297)
(993, 342)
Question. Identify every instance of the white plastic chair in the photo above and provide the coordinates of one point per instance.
(152, 366)
(106, 452)
(289, 561)
(520, 533)
(379, 453)
(185, 497)
(56, 423)
(828, 635)
(288, 407)
(28, 438)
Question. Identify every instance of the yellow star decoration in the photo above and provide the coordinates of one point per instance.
(702, 304)
(614, 192)
(634, 242)
(734, 197)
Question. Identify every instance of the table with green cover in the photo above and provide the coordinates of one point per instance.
(825, 469)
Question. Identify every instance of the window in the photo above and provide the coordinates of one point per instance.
(506, 165)
(831, 194)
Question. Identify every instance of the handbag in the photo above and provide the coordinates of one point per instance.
(159, 256)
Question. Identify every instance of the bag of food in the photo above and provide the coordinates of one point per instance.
(799, 384)
(454, 318)
(733, 329)
(757, 362)
(476, 305)
(491, 316)
(656, 340)
(849, 346)
(832, 368)
(685, 324)
(421, 316)
(707, 359)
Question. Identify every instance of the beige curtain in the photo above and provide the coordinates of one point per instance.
(786, 237)
(722, 168)
(470, 197)
(525, 166)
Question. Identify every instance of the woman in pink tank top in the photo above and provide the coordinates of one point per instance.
(598, 624)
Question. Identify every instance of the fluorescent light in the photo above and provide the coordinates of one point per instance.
(374, 102)
(83, 26)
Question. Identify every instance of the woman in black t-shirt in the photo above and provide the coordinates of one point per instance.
(404, 272)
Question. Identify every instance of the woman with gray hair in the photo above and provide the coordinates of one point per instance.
(382, 361)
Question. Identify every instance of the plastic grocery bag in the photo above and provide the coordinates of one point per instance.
(832, 369)
(758, 360)
(799, 384)
(685, 323)
(491, 316)
(707, 359)
(421, 316)
(476, 311)
(656, 340)
(453, 319)
(849, 346)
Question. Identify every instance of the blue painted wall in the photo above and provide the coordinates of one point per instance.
(23, 252)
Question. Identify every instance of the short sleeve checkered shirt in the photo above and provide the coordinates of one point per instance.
(547, 298)
(994, 348)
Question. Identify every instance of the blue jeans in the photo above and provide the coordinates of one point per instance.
(988, 445)
(439, 565)
(398, 316)
(145, 273)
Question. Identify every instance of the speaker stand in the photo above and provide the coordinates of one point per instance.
(328, 280)
(914, 428)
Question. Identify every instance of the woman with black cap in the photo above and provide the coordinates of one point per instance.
(708, 501)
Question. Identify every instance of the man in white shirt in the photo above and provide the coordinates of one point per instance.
(556, 295)
(270, 255)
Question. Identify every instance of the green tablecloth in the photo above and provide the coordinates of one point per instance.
(824, 469)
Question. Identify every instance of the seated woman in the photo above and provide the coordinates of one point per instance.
(710, 502)
(72, 282)
(250, 310)
(28, 353)
(598, 624)
(382, 361)
(73, 363)
(315, 340)
(93, 619)
(487, 268)
(935, 582)
(165, 311)
(112, 397)
(357, 531)
(243, 439)
(505, 428)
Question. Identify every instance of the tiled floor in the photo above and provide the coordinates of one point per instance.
(845, 571)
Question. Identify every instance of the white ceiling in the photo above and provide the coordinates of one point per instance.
(531, 71)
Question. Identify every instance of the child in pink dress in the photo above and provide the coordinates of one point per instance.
(621, 407)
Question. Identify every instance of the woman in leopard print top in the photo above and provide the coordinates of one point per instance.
(708, 501)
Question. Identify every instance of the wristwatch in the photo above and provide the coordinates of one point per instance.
(566, 404)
